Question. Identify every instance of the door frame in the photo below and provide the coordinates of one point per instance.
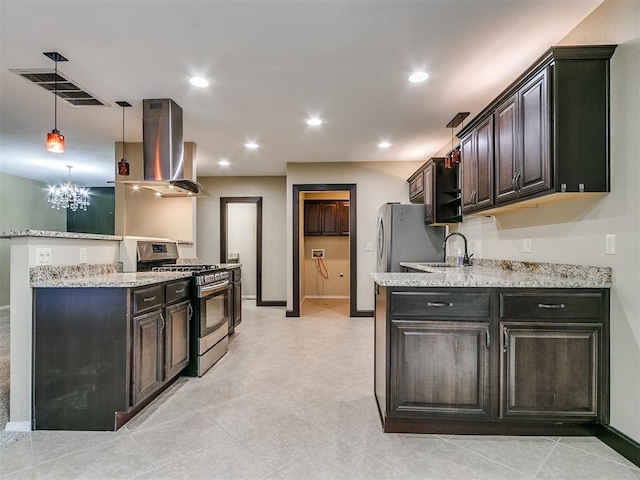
(224, 226)
(353, 236)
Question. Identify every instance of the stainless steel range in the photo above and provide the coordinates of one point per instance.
(211, 312)
(211, 300)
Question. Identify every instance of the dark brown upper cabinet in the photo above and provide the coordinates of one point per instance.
(439, 191)
(550, 138)
(326, 218)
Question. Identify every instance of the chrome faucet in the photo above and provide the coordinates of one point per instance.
(466, 260)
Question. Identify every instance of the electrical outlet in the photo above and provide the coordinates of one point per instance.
(369, 247)
(43, 256)
(526, 245)
(83, 255)
(610, 244)
(341, 275)
(317, 252)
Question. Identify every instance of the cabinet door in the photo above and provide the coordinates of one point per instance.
(344, 218)
(429, 195)
(550, 370)
(312, 218)
(147, 355)
(469, 173)
(237, 304)
(330, 219)
(176, 338)
(535, 166)
(440, 368)
(507, 151)
(484, 154)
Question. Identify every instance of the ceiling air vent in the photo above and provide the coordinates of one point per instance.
(67, 89)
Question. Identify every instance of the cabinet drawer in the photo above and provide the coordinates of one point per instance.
(148, 298)
(177, 291)
(552, 305)
(439, 304)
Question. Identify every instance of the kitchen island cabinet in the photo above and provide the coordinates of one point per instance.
(489, 359)
(103, 353)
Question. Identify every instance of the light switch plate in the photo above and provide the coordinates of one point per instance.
(369, 247)
(526, 245)
(610, 244)
(83, 255)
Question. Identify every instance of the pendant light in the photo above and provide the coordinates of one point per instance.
(55, 140)
(123, 165)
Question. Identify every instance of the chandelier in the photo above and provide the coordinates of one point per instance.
(68, 195)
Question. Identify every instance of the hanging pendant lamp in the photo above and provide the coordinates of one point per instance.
(55, 140)
(123, 165)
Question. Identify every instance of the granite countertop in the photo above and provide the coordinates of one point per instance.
(54, 234)
(111, 280)
(491, 276)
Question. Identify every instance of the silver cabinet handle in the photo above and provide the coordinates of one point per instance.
(551, 305)
(180, 291)
(149, 299)
(488, 344)
(439, 304)
(163, 322)
(505, 339)
(189, 311)
(518, 175)
(513, 182)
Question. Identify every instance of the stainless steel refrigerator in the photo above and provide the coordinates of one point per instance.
(403, 237)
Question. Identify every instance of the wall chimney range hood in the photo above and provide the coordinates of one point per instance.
(163, 151)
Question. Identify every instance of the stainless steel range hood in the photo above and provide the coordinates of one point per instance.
(163, 150)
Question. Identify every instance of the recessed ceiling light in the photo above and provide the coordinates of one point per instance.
(224, 162)
(251, 145)
(418, 77)
(199, 82)
(384, 144)
(314, 121)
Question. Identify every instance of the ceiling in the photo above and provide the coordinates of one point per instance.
(270, 64)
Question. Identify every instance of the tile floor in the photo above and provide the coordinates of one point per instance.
(293, 400)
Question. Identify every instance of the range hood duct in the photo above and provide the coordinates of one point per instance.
(163, 151)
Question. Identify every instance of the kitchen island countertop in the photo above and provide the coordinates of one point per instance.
(482, 276)
(112, 280)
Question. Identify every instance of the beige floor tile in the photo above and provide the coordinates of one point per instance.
(16, 457)
(524, 454)
(117, 459)
(29, 474)
(50, 444)
(568, 462)
(284, 441)
(339, 461)
(595, 447)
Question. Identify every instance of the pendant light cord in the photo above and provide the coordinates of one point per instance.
(55, 98)
(124, 147)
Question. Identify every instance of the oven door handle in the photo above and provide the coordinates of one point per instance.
(208, 290)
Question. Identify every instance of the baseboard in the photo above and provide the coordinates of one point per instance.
(363, 313)
(290, 313)
(625, 446)
(272, 303)
(18, 427)
(325, 296)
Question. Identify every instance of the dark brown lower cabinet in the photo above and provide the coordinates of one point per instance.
(102, 354)
(148, 353)
(550, 370)
(492, 361)
(440, 368)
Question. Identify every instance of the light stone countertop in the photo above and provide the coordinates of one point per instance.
(112, 280)
(55, 234)
(487, 277)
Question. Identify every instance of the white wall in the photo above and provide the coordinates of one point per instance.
(574, 232)
(23, 206)
(274, 232)
(376, 183)
(241, 239)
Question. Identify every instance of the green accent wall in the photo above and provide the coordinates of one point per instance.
(23, 206)
(99, 217)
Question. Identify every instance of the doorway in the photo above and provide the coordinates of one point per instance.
(249, 212)
(298, 190)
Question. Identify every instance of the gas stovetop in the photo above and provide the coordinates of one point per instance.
(204, 274)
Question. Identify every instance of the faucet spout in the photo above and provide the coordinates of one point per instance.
(466, 260)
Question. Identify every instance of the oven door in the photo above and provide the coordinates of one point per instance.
(214, 308)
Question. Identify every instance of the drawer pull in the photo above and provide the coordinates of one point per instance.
(439, 304)
(180, 291)
(551, 305)
(149, 299)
